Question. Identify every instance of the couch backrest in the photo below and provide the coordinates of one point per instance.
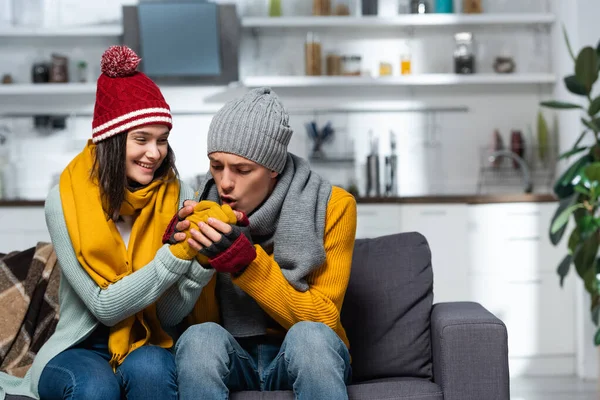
(386, 311)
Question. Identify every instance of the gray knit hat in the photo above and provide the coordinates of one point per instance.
(255, 126)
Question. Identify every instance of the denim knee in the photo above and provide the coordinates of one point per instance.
(207, 342)
(99, 389)
(150, 364)
(201, 336)
(306, 339)
(93, 387)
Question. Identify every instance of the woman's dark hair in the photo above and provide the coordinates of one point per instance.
(110, 173)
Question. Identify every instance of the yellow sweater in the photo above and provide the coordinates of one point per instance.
(322, 302)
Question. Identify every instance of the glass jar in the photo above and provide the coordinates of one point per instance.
(351, 65)
(274, 8)
(312, 55)
(333, 64)
(405, 59)
(342, 7)
(444, 6)
(321, 7)
(419, 7)
(464, 55)
(472, 7)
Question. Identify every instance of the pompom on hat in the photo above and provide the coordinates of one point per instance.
(126, 98)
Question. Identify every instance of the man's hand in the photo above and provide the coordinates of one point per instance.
(183, 224)
(228, 248)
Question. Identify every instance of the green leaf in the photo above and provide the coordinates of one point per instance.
(569, 48)
(571, 152)
(592, 171)
(542, 136)
(590, 124)
(564, 185)
(595, 307)
(594, 107)
(574, 242)
(586, 67)
(562, 205)
(563, 268)
(574, 86)
(582, 189)
(588, 226)
(585, 262)
(559, 104)
(597, 337)
(580, 138)
(563, 217)
(595, 315)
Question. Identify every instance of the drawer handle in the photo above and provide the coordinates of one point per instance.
(367, 213)
(433, 213)
(522, 213)
(526, 282)
(524, 239)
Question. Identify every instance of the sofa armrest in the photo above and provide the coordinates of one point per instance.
(470, 352)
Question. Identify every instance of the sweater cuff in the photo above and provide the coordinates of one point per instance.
(199, 274)
(236, 257)
(172, 263)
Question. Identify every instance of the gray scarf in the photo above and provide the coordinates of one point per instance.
(290, 224)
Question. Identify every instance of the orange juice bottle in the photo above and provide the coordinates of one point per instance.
(405, 64)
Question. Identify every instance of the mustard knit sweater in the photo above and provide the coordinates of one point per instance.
(322, 302)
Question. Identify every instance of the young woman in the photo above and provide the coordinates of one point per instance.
(106, 219)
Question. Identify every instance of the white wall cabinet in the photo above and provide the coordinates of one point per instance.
(513, 274)
(445, 229)
(500, 256)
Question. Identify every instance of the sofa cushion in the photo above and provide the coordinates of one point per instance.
(387, 307)
(388, 389)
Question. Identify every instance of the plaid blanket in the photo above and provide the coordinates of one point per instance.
(29, 283)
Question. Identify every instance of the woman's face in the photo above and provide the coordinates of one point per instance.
(146, 150)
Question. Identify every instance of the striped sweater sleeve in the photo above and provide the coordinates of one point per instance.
(322, 302)
(121, 299)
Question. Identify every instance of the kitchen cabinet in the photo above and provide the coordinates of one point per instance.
(375, 220)
(512, 239)
(444, 226)
(512, 268)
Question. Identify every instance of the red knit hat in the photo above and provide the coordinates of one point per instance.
(126, 98)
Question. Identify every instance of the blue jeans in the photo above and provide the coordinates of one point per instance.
(312, 361)
(83, 372)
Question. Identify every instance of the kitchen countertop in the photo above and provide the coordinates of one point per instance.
(433, 199)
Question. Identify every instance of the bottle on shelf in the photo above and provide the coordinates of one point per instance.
(312, 55)
(274, 8)
(405, 60)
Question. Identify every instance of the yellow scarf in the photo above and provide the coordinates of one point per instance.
(100, 248)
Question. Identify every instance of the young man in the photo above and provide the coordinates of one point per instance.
(270, 317)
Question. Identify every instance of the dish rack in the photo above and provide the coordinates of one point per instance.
(506, 171)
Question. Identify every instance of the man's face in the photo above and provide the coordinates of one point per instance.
(243, 184)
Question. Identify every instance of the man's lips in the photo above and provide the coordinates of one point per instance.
(227, 200)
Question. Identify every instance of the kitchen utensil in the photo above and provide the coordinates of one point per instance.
(373, 188)
(542, 136)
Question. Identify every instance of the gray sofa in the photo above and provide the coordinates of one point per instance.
(403, 346)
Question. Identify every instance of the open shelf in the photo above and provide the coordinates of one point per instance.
(64, 31)
(408, 20)
(407, 80)
(17, 89)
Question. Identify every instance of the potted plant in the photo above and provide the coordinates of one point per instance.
(578, 188)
